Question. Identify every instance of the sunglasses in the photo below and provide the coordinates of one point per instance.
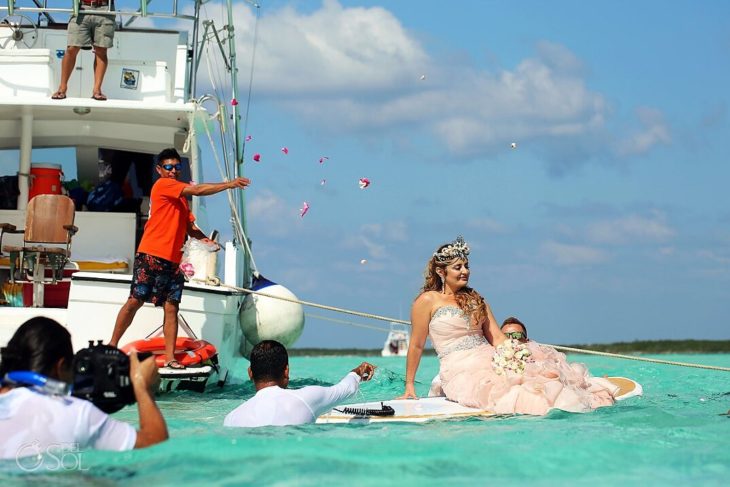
(516, 335)
(170, 167)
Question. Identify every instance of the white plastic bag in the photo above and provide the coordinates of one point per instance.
(199, 260)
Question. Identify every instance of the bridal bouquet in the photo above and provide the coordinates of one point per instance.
(512, 356)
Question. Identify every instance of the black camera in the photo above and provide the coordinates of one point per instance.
(101, 375)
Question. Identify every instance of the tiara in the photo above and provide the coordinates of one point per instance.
(456, 249)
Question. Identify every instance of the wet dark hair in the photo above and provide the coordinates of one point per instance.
(169, 153)
(37, 345)
(514, 321)
(268, 361)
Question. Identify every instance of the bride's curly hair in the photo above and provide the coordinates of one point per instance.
(469, 300)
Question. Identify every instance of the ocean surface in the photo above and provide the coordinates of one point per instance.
(678, 433)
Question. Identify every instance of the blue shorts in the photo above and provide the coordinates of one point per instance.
(156, 280)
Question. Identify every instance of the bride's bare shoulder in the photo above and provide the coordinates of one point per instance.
(429, 300)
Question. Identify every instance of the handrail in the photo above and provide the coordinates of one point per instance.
(12, 9)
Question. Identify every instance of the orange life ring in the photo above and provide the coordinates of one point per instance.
(188, 351)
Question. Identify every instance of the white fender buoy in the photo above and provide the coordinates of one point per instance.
(264, 318)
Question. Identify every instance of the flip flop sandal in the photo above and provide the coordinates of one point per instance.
(98, 97)
(174, 364)
(59, 95)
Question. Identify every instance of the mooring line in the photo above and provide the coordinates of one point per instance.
(404, 322)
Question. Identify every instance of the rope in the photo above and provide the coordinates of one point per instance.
(345, 322)
(320, 306)
(393, 320)
(238, 227)
(641, 359)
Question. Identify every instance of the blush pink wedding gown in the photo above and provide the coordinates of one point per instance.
(548, 382)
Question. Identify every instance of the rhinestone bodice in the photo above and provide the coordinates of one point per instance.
(450, 331)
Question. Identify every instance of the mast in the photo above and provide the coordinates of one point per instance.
(244, 265)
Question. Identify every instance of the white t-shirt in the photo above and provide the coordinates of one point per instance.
(274, 406)
(32, 422)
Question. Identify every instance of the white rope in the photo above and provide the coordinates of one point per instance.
(394, 320)
(641, 359)
(238, 227)
(345, 322)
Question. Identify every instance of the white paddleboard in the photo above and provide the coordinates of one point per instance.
(406, 411)
(626, 387)
(439, 408)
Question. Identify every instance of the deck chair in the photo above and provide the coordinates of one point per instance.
(49, 227)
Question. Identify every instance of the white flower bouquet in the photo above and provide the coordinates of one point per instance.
(512, 356)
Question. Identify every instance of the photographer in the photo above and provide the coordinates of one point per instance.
(40, 412)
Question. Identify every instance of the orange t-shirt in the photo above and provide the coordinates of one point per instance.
(165, 231)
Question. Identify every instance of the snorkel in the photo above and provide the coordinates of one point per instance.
(37, 382)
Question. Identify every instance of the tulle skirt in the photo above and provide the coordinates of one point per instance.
(548, 382)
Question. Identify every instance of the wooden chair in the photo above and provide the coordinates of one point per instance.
(49, 227)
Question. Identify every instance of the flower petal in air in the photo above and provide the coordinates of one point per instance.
(322, 159)
(304, 209)
(248, 138)
(257, 157)
(364, 183)
(285, 150)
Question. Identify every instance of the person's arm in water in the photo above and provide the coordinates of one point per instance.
(207, 189)
(420, 317)
(145, 379)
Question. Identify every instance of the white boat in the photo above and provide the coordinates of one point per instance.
(153, 103)
(396, 345)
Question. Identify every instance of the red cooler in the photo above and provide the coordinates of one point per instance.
(44, 179)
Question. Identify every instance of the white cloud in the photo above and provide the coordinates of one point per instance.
(376, 237)
(272, 215)
(631, 229)
(570, 255)
(330, 50)
(713, 256)
(655, 131)
(358, 70)
(488, 225)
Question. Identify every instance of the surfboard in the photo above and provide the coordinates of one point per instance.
(626, 387)
(439, 408)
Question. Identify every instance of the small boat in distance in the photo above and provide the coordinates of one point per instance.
(396, 345)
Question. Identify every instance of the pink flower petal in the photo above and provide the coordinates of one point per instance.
(322, 159)
(284, 150)
(187, 269)
(304, 209)
(248, 138)
(364, 183)
(257, 157)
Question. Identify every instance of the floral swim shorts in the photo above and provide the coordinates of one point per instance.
(156, 280)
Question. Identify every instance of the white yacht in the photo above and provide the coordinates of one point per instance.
(152, 85)
(396, 345)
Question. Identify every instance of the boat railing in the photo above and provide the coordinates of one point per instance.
(41, 7)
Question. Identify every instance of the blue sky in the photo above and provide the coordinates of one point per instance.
(608, 222)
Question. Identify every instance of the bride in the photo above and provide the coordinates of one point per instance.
(479, 366)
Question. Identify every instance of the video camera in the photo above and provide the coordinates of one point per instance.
(101, 376)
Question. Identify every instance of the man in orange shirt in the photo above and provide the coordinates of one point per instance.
(157, 277)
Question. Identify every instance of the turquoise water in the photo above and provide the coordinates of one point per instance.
(676, 434)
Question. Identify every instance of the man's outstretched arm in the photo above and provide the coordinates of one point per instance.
(207, 189)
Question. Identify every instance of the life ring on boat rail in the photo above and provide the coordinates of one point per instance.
(188, 351)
